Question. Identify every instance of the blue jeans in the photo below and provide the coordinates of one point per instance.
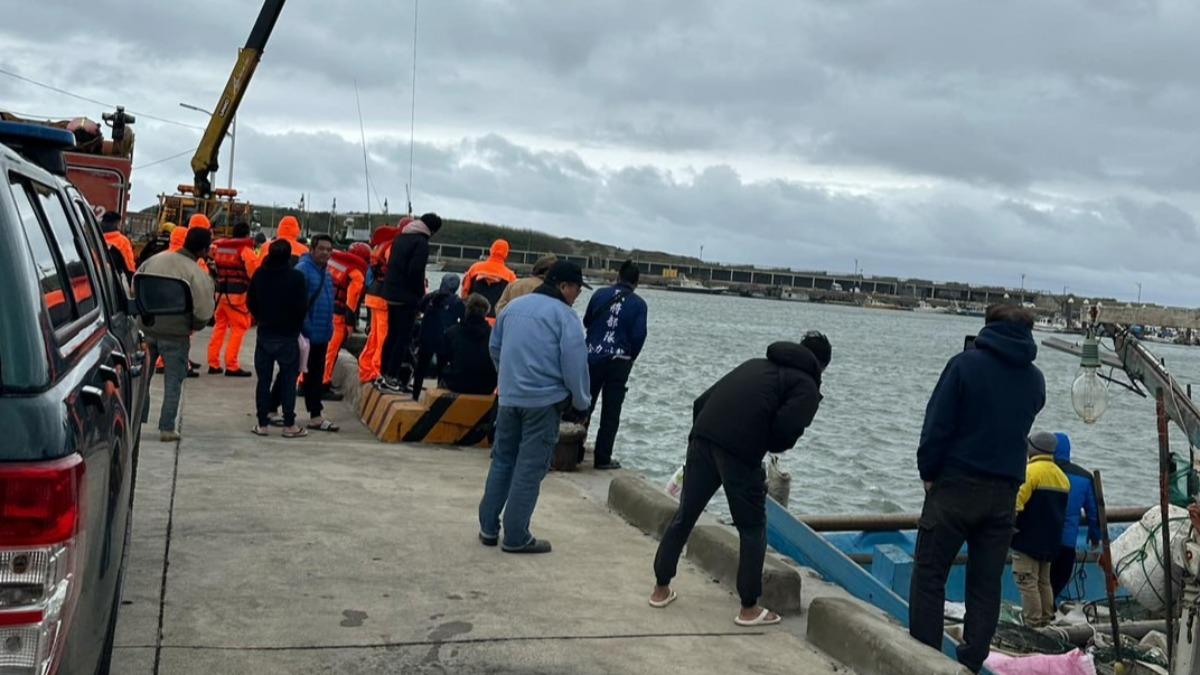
(524, 446)
(174, 353)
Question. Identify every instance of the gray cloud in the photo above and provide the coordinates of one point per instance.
(982, 139)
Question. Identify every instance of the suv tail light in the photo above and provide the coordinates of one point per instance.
(40, 557)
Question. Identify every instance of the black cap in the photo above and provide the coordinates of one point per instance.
(566, 271)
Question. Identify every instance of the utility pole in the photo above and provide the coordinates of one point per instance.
(1139, 302)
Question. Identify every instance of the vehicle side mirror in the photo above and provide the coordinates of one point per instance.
(156, 295)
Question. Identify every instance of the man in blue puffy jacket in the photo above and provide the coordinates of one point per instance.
(1082, 501)
(318, 325)
(972, 459)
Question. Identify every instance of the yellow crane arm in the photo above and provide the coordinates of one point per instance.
(204, 162)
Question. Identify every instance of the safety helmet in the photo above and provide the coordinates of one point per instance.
(361, 250)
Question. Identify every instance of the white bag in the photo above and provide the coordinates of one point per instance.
(1137, 557)
(304, 347)
(779, 482)
(675, 484)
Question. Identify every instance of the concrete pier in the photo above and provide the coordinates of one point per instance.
(339, 554)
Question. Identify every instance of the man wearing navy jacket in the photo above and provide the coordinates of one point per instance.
(616, 331)
(972, 460)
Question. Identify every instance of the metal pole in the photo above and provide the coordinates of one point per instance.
(1164, 503)
(1110, 576)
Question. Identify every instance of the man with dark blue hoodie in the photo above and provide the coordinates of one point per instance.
(972, 458)
(1080, 502)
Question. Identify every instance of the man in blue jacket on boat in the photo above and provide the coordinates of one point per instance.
(972, 459)
(1082, 501)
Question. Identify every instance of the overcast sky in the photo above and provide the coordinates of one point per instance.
(944, 139)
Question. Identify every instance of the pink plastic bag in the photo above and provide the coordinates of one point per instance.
(1071, 663)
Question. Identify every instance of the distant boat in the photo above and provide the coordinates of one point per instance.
(926, 308)
(872, 303)
(686, 285)
(1046, 325)
(793, 296)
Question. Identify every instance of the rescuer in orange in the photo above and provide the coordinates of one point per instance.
(348, 270)
(289, 229)
(235, 263)
(490, 277)
(370, 360)
(110, 223)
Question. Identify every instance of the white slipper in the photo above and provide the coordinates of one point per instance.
(760, 620)
(663, 603)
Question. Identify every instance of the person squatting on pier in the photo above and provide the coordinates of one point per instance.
(1041, 510)
(348, 270)
(763, 405)
(971, 459)
(615, 322)
(440, 310)
(1082, 501)
(465, 363)
(404, 286)
(539, 349)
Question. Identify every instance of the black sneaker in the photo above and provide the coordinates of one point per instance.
(236, 373)
(390, 386)
(215, 371)
(193, 373)
(534, 546)
(612, 464)
(193, 365)
(488, 541)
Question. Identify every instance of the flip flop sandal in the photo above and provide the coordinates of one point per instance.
(297, 434)
(760, 620)
(663, 603)
(259, 431)
(325, 425)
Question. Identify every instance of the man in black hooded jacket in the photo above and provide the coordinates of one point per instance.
(972, 460)
(763, 405)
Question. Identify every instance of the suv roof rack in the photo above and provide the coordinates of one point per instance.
(39, 144)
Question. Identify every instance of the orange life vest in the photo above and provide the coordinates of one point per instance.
(340, 264)
(232, 278)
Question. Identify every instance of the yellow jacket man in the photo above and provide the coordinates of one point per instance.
(1041, 510)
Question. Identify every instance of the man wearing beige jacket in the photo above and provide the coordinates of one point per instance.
(526, 285)
(171, 336)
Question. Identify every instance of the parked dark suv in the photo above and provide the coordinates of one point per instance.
(74, 380)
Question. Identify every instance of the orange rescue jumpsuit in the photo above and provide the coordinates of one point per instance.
(370, 360)
(236, 263)
(289, 229)
(348, 291)
(121, 243)
(492, 276)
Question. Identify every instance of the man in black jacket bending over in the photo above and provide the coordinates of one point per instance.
(763, 405)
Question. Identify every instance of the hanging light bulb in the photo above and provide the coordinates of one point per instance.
(1089, 394)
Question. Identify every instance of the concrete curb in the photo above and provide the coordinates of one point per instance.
(713, 547)
(870, 644)
(641, 504)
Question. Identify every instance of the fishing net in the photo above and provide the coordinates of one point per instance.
(1025, 640)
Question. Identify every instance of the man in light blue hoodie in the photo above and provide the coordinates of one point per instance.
(539, 349)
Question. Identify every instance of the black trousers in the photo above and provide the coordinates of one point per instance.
(609, 379)
(1061, 570)
(397, 349)
(708, 467)
(980, 512)
(424, 358)
(311, 387)
(267, 398)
